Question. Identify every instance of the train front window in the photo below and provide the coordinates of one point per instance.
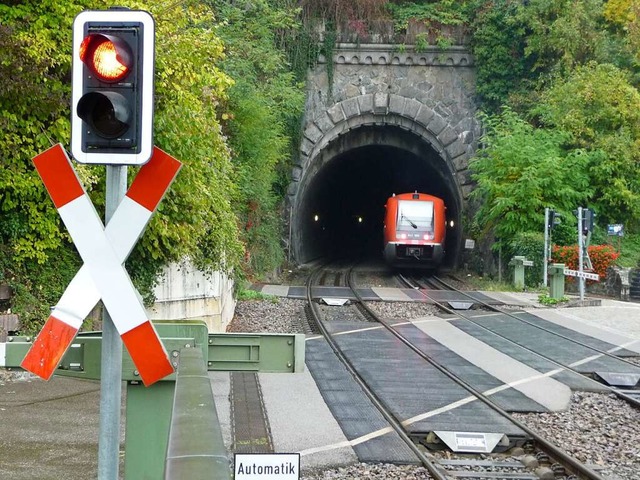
(415, 216)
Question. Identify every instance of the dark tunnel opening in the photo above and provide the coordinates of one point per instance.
(341, 212)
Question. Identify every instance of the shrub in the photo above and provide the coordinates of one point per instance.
(545, 299)
(531, 246)
(602, 257)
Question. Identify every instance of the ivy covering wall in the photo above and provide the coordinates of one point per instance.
(195, 219)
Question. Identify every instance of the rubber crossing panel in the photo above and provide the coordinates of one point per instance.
(352, 409)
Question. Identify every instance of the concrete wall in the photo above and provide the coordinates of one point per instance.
(186, 293)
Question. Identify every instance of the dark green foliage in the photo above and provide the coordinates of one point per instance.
(498, 44)
(37, 286)
(600, 111)
(341, 11)
(531, 246)
(561, 34)
(566, 232)
(522, 170)
(265, 101)
(28, 222)
(629, 248)
(568, 68)
(444, 12)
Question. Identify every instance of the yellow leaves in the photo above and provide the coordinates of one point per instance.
(619, 12)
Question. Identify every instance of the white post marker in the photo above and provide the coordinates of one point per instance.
(103, 276)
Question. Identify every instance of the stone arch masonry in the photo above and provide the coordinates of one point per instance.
(386, 110)
(429, 93)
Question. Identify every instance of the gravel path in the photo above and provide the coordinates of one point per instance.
(598, 429)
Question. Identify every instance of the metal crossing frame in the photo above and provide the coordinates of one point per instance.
(154, 411)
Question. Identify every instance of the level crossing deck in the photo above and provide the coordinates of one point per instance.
(386, 294)
(37, 414)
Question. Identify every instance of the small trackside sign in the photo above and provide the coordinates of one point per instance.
(587, 275)
(271, 466)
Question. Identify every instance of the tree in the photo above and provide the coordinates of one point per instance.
(498, 44)
(195, 219)
(520, 171)
(33, 115)
(564, 33)
(600, 111)
(264, 102)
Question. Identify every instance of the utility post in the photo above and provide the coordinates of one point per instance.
(547, 247)
(580, 254)
(585, 227)
(551, 219)
(112, 124)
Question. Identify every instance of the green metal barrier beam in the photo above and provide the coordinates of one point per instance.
(196, 449)
(279, 353)
(14, 350)
(250, 352)
(148, 420)
(149, 409)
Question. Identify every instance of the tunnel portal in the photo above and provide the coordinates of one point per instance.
(341, 206)
(379, 120)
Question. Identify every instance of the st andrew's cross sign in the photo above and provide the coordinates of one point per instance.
(103, 275)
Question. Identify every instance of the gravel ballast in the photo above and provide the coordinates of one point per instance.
(598, 429)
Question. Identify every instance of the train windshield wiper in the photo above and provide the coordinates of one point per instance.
(408, 220)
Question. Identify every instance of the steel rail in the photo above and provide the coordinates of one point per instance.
(523, 320)
(629, 399)
(555, 452)
(430, 465)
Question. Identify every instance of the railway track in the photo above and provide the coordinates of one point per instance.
(550, 462)
(432, 467)
(630, 396)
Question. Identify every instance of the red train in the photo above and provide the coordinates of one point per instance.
(414, 230)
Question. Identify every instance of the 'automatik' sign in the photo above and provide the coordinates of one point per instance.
(262, 466)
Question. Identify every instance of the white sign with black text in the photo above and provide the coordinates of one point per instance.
(587, 275)
(262, 466)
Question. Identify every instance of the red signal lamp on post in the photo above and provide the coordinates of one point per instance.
(112, 87)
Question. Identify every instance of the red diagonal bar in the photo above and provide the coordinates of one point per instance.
(144, 352)
(154, 179)
(58, 176)
(47, 350)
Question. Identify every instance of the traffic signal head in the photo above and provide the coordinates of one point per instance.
(588, 217)
(553, 219)
(588, 220)
(112, 94)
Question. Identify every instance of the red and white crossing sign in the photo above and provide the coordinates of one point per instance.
(103, 275)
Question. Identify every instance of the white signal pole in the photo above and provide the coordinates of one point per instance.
(580, 253)
(547, 246)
